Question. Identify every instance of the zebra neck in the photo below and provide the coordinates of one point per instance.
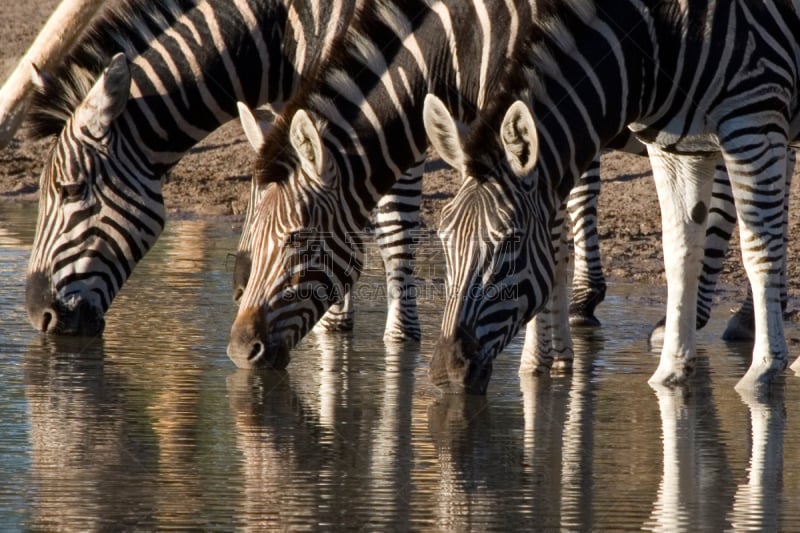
(371, 92)
(186, 83)
(585, 75)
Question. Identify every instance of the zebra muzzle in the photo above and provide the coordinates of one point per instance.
(455, 366)
(251, 347)
(71, 314)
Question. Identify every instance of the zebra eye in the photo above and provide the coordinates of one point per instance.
(73, 192)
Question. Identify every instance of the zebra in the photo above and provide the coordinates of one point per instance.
(150, 80)
(589, 71)
(281, 169)
(340, 144)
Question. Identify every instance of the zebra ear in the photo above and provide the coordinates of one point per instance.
(443, 132)
(106, 99)
(38, 78)
(520, 139)
(305, 139)
(255, 123)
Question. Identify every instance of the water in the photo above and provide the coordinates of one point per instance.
(151, 427)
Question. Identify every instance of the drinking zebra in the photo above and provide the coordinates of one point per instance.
(339, 145)
(324, 185)
(693, 80)
(150, 80)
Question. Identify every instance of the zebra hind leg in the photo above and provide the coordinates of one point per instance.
(741, 326)
(721, 222)
(684, 184)
(719, 228)
(588, 282)
(397, 233)
(758, 181)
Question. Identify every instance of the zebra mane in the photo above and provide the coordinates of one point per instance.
(276, 159)
(126, 26)
(522, 76)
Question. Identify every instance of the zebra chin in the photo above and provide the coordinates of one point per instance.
(73, 314)
(250, 347)
(456, 366)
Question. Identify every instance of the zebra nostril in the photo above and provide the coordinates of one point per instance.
(47, 319)
(237, 295)
(256, 351)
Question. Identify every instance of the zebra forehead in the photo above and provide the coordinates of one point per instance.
(276, 162)
(275, 206)
(479, 209)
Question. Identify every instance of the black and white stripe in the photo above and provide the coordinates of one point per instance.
(588, 281)
(693, 80)
(353, 131)
(150, 80)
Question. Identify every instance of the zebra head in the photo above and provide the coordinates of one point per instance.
(497, 247)
(96, 220)
(304, 257)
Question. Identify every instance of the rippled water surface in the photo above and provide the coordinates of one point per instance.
(151, 427)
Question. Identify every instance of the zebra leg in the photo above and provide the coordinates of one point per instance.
(548, 341)
(397, 226)
(719, 228)
(588, 283)
(741, 326)
(338, 317)
(684, 187)
(758, 180)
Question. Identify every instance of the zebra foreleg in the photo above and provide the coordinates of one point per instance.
(758, 180)
(588, 282)
(548, 340)
(684, 187)
(397, 226)
(338, 317)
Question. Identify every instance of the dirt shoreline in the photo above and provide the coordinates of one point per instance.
(212, 181)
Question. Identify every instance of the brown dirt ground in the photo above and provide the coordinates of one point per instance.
(212, 181)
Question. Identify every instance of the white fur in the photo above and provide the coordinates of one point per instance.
(520, 139)
(443, 132)
(255, 126)
(306, 141)
(106, 99)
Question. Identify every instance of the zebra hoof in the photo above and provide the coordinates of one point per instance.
(584, 321)
(532, 369)
(561, 366)
(405, 335)
(671, 374)
(334, 324)
(760, 375)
